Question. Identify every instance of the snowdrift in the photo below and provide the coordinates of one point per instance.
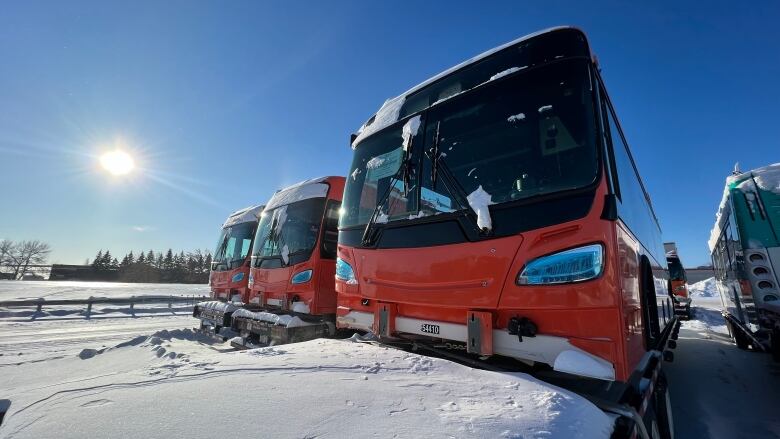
(178, 384)
(704, 288)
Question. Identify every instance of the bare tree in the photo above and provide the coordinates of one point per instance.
(7, 248)
(29, 253)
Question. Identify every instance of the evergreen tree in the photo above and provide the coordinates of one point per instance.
(107, 259)
(98, 261)
(168, 261)
(207, 263)
(182, 267)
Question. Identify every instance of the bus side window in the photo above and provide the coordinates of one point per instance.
(330, 230)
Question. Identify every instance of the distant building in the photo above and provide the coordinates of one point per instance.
(698, 274)
(29, 275)
(82, 272)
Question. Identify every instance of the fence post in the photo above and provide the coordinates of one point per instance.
(89, 307)
(40, 306)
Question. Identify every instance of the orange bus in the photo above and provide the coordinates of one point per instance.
(678, 281)
(229, 274)
(292, 295)
(494, 216)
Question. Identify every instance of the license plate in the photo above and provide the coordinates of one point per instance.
(429, 328)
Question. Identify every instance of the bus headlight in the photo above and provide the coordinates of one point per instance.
(575, 265)
(237, 277)
(345, 272)
(301, 277)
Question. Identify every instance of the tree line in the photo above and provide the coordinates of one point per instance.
(18, 258)
(151, 267)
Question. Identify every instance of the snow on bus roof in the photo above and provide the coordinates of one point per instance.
(389, 111)
(245, 215)
(767, 178)
(311, 188)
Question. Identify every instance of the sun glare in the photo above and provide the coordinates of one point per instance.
(117, 162)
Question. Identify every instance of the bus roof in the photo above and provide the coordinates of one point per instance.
(767, 178)
(245, 215)
(311, 188)
(389, 111)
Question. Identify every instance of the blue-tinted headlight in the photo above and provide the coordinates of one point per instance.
(568, 266)
(237, 277)
(303, 276)
(344, 271)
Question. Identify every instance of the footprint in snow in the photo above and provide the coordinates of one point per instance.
(86, 354)
(449, 407)
(97, 403)
(373, 369)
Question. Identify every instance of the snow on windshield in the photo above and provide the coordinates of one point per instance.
(374, 163)
(410, 130)
(516, 118)
(479, 200)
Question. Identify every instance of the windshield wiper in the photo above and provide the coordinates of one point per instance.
(405, 172)
(439, 166)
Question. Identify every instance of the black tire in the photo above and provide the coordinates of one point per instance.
(739, 338)
(663, 408)
(775, 345)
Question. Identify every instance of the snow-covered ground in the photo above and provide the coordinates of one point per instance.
(145, 374)
(706, 306)
(116, 375)
(17, 290)
(180, 384)
(719, 391)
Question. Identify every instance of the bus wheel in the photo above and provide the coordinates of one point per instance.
(739, 338)
(775, 346)
(663, 409)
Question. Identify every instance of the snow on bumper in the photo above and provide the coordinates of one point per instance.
(287, 321)
(554, 351)
(215, 312)
(215, 305)
(265, 328)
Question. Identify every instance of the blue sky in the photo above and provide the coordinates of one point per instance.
(224, 102)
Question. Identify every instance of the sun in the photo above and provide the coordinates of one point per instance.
(117, 162)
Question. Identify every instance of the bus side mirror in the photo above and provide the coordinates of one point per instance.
(610, 208)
